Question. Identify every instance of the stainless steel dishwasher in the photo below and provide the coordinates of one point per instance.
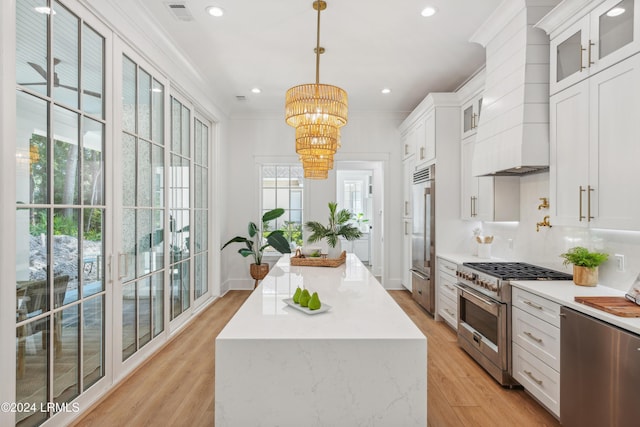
(599, 373)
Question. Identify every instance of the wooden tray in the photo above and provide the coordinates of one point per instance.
(303, 261)
(620, 306)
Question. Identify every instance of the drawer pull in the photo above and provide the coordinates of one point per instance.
(533, 337)
(451, 288)
(537, 381)
(449, 312)
(530, 304)
(449, 268)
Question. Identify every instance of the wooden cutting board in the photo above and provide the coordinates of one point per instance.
(620, 306)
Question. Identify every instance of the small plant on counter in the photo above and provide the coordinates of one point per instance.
(585, 265)
(338, 226)
(582, 257)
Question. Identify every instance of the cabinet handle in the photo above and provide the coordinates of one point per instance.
(530, 304)
(537, 381)
(582, 67)
(451, 288)
(533, 337)
(590, 63)
(406, 149)
(449, 268)
(421, 153)
(589, 190)
(581, 217)
(450, 313)
(474, 121)
(406, 208)
(406, 233)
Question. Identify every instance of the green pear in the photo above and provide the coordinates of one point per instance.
(314, 302)
(304, 298)
(296, 295)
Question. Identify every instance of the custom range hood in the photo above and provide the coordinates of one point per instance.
(513, 132)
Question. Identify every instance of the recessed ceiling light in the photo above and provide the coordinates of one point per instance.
(386, 90)
(616, 11)
(256, 90)
(45, 10)
(428, 11)
(215, 11)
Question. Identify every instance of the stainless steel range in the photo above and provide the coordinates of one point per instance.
(484, 311)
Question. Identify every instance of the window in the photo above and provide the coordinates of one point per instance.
(282, 187)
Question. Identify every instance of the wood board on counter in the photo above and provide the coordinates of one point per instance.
(619, 306)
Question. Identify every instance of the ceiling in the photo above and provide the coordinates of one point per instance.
(370, 45)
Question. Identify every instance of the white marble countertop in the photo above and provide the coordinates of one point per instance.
(360, 307)
(564, 291)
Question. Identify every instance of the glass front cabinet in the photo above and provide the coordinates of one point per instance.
(605, 36)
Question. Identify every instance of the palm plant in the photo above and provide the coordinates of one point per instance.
(255, 244)
(338, 226)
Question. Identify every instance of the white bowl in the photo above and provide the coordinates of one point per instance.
(309, 250)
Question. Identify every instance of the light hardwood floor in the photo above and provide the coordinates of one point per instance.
(175, 387)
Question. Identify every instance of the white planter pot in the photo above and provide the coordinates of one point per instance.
(335, 251)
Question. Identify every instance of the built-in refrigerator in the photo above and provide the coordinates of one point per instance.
(423, 239)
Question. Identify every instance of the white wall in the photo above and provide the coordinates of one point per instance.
(255, 139)
(544, 247)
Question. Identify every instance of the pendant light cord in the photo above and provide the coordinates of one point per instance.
(318, 45)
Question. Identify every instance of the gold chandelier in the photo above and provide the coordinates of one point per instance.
(317, 111)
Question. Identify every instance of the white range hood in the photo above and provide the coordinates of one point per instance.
(513, 132)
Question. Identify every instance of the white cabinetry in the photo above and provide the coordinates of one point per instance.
(447, 306)
(487, 198)
(536, 347)
(595, 151)
(608, 34)
(471, 115)
(408, 167)
(360, 247)
(426, 145)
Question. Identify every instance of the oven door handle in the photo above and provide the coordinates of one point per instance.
(492, 306)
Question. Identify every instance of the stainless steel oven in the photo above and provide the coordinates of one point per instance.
(484, 311)
(483, 332)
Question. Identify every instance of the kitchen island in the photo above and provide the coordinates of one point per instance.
(363, 362)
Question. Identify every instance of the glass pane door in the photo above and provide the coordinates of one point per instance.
(60, 208)
(141, 261)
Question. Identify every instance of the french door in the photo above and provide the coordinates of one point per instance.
(62, 196)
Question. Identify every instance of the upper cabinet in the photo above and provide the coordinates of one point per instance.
(595, 150)
(471, 115)
(603, 37)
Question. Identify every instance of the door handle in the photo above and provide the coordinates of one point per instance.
(422, 276)
(126, 265)
(580, 217)
(589, 190)
(590, 62)
(582, 67)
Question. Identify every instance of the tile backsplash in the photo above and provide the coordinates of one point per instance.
(520, 241)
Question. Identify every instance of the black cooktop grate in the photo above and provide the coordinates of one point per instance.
(517, 271)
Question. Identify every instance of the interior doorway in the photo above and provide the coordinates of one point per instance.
(359, 188)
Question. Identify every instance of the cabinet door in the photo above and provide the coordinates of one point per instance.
(361, 248)
(569, 154)
(569, 56)
(615, 146)
(419, 141)
(469, 183)
(430, 137)
(407, 182)
(614, 35)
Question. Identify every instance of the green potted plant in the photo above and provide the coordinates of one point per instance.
(338, 226)
(585, 265)
(362, 222)
(258, 241)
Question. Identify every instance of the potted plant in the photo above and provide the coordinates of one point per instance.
(362, 222)
(259, 239)
(585, 265)
(338, 226)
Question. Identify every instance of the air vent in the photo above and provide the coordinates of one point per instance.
(179, 10)
(241, 98)
(422, 175)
